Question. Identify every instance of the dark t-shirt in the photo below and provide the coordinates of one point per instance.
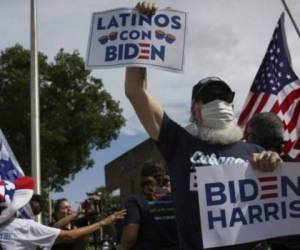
(157, 227)
(183, 153)
(287, 158)
(79, 244)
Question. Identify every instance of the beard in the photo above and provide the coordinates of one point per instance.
(230, 134)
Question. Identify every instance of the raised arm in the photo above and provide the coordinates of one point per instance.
(70, 235)
(149, 110)
(66, 220)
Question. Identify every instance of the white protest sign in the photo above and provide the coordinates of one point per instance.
(240, 205)
(121, 37)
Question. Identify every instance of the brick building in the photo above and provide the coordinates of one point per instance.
(123, 173)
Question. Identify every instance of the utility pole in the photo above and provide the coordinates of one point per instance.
(34, 101)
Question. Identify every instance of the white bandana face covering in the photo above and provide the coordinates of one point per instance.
(217, 114)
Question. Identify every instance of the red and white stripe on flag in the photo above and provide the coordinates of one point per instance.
(276, 88)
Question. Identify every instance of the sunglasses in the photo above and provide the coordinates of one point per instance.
(213, 88)
(209, 95)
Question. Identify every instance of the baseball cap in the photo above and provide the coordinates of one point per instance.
(210, 89)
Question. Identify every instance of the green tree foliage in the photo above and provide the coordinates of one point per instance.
(107, 205)
(76, 113)
(108, 202)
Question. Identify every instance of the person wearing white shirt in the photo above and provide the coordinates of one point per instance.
(24, 234)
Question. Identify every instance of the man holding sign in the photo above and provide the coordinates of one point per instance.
(212, 139)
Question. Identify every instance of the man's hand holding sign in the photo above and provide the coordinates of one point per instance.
(266, 161)
(213, 137)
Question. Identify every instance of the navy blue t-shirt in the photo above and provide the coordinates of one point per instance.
(156, 219)
(183, 153)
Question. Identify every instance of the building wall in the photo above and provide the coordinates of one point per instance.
(124, 172)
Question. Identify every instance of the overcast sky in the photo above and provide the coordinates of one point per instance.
(226, 38)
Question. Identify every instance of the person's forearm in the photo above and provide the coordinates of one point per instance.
(147, 108)
(135, 80)
(127, 246)
(129, 236)
(64, 221)
(69, 235)
(79, 232)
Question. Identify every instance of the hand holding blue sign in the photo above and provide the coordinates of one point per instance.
(266, 161)
(147, 8)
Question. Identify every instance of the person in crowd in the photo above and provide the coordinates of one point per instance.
(23, 234)
(267, 130)
(213, 138)
(166, 185)
(37, 204)
(33, 209)
(150, 220)
(63, 215)
(64, 218)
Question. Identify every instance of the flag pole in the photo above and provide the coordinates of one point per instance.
(34, 103)
(291, 17)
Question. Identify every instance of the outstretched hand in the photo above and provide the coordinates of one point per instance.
(113, 217)
(266, 161)
(146, 8)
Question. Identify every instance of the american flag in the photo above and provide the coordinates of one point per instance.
(9, 166)
(276, 88)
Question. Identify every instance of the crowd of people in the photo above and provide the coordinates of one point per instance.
(22, 233)
(165, 214)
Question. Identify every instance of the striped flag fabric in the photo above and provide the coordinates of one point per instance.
(276, 88)
(9, 166)
(10, 170)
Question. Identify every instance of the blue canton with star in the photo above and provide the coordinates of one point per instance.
(276, 71)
